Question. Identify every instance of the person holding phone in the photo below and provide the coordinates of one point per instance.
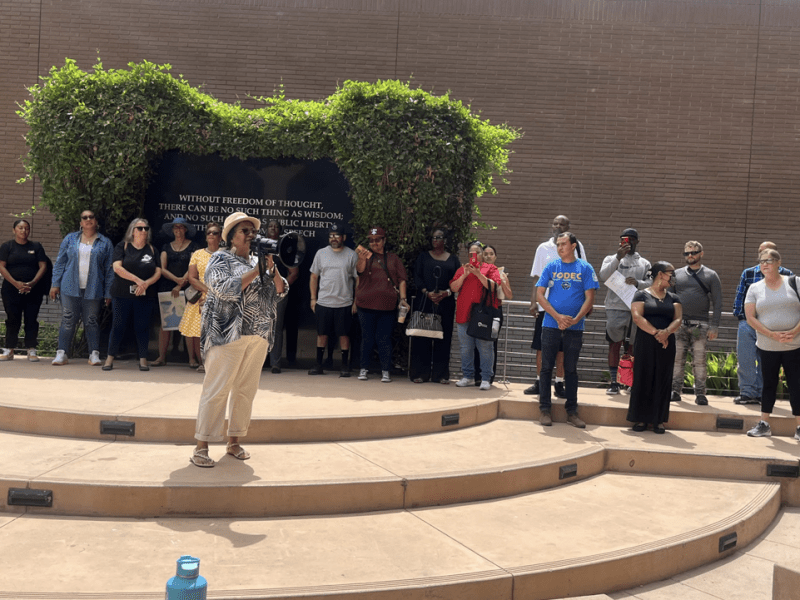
(619, 324)
(133, 295)
(469, 282)
(381, 286)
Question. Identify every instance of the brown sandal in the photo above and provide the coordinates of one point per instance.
(241, 453)
(200, 458)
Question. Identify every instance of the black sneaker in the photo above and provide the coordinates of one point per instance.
(746, 400)
(317, 370)
(675, 397)
(532, 390)
(613, 389)
(558, 390)
(701, 400)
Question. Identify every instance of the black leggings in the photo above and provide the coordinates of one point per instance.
(771, 363)
(18, 306)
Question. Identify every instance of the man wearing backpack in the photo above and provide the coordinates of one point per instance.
(697, 286)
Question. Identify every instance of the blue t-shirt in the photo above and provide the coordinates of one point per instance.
(568, 283)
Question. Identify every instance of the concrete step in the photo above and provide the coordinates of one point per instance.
(608, 532)
(75, 399)
(494, 460)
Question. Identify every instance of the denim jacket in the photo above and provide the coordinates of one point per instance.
(101, 272)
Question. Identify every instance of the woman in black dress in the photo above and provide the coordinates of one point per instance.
(174, 262)
(657, 314)
(430, 358)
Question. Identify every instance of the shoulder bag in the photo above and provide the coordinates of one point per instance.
(424, 324)
(482, 315)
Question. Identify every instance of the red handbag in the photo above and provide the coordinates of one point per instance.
(625, 370)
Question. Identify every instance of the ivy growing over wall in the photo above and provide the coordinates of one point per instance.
(411, 159)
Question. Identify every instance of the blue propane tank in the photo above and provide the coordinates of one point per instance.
(187, 583)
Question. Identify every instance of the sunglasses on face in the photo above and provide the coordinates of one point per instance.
(768, 261)
(692, 253)
(142, 228)
(375, 240)
(247, 230)
(213, 232)
(334, 235)
(87, 217)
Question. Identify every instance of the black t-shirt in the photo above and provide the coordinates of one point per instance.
(142, 263)
(22, 260)
(659, 313)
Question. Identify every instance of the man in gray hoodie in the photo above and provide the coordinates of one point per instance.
(697, 287)
(634, 269)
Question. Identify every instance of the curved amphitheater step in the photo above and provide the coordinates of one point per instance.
(75, 400)
(609, 532)
(494, 460)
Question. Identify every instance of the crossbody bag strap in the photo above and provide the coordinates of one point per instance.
(388, 274)
(698, 280)
(793, 284)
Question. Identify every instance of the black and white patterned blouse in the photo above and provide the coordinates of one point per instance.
(230, 312)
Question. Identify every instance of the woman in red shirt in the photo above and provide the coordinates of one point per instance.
(469, 282)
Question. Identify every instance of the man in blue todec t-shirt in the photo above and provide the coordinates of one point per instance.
(572, 283)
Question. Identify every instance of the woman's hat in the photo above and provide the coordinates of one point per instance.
(191, 230)
(379, 231)
(232, 219)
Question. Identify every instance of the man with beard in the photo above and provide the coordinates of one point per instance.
(634, 269)
(333, 277)
(694, 284)
(545, 253)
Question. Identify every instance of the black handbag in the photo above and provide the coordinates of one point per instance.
(482, 316)
(424, 324)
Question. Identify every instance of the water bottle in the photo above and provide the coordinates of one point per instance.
(495, 327)
(187, 583)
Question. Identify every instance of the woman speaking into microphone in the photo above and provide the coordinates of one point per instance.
(236, 336)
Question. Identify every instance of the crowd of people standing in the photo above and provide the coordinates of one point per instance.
(655, 313)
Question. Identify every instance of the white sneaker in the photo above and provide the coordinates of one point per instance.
(61, 358)
(6, 354)
(463, 382)
(385, 377)
(761, 429)
(94, 358)
(362, 375)
(485, 385)
(32, 355)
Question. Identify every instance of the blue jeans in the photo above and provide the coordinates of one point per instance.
(376, 327)
(485, 350)
(74, 308)
(749, 369)
(553, 340)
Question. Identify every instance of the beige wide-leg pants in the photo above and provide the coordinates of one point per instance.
(233, 369)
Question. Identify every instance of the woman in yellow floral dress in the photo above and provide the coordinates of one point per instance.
(190, 324)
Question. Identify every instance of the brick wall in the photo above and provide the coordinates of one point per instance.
(677, 118)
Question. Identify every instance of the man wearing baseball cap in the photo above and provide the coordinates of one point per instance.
(619, 326)
(332, 285)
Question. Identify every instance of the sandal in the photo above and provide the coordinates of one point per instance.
(200, 458)
(417, 380)
(194, 365)
(444, 381)
(241, 453)
(158, 363)
(201, 369)
(640, 427)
